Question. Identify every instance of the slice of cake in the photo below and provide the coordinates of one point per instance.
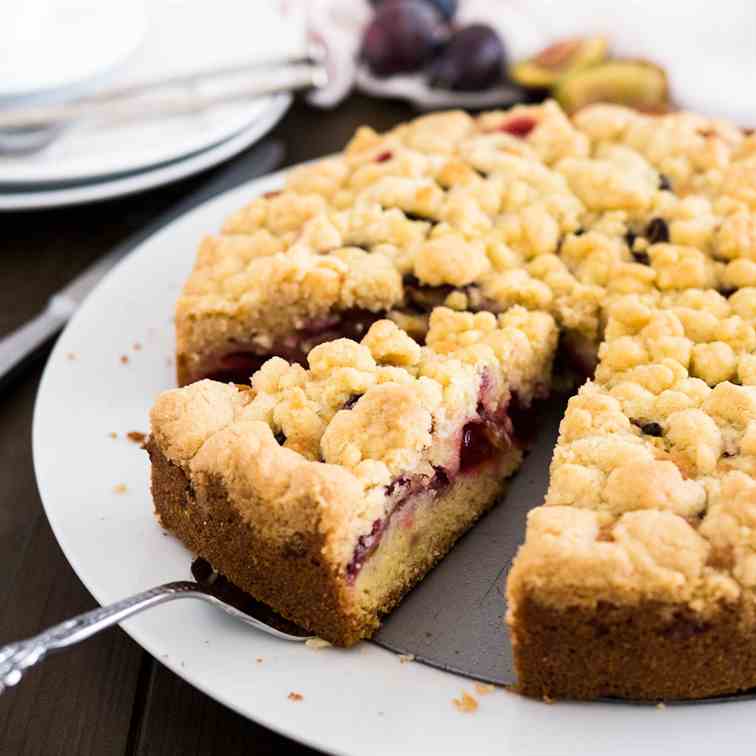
(328, 492)
(637, 578)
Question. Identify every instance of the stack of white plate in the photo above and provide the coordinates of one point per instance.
(52, 51)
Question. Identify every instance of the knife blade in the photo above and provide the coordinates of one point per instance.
(19, 347)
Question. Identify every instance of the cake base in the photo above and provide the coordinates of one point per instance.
(295, 581)
(649, 652)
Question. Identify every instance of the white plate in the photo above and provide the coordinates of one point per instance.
(50, 48)
(361, 702)
(101, 190)
(212, 35)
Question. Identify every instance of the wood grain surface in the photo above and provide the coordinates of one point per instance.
(108, 696)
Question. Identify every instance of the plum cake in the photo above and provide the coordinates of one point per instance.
(327, 492)
(398, 307)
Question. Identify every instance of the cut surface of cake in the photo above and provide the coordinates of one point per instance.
(633, 237)
(328, 492)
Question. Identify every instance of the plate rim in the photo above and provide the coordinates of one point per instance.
(161, 175)
(253, 111)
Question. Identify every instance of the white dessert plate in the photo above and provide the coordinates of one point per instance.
(122, 186)
(107, 367)
(212, 36)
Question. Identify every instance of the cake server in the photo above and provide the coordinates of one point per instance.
(26, 341)
(17, 657)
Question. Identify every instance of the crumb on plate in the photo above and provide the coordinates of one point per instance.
(483, 689)
(404, 658)
(295, 696)
(136, 436)
(316, 643)
(120, 488)
(124, 359)
(465, 703)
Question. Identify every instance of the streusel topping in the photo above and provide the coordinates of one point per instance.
(521, 207)
(367, 414)
(378, 402)
(664, 441)
(634, 234)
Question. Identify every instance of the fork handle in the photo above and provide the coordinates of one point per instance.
(16, 658)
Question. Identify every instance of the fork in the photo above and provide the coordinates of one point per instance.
(16, 658)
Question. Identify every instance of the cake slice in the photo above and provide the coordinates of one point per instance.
(637, 578)
(328, 492)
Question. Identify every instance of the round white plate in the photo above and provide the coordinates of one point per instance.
(120, 187)
(52, 49)
(361, 702)
(212, 36)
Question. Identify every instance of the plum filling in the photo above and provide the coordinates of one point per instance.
(519, 126)
(402, 490)
(239, 364)
(482, 440)
(421, 298)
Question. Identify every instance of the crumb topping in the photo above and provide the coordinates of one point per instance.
(654, 469)
(373, 412)
(565, 217)
(481, 237)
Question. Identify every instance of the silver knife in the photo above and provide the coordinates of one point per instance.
(26, 341)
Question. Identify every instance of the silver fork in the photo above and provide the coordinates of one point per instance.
(16, 658)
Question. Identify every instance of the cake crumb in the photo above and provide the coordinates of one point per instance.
(466, 703)
(549, 700)
(71, 356)
(124, 359)
(483, 689)
(136, 346)
(661, 705)
(404, 658)
(112, 434)
(316, 643)
(136, 437)
(259, 659)
(120, 488)
(295, 696)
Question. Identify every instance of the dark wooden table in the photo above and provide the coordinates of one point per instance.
(107, 696)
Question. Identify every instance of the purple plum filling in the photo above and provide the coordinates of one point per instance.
(421, 299)
(237, 365)
(402, 490)
(482, 440)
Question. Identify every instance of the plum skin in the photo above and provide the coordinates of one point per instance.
(402, 37)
